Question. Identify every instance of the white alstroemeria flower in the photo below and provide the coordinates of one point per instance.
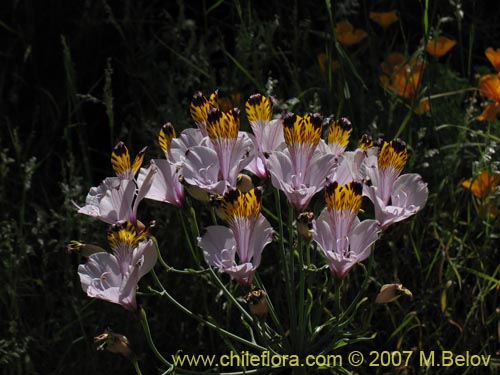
(117, 199)
(215, 164)
(237, 250)
(166, 185)
(395, 197)
(341, 236)
(267, 133)
(302, 168)
(114, 277)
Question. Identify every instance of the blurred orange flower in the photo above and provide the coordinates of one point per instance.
(440, 46)
(384, 19)
(400, 76)
(423, 106)
(347, 35)
(489, 86)
(322, 59)
(483, 185)
(229, 102)
(494, 56)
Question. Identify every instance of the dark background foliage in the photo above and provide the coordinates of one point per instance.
(76, 77)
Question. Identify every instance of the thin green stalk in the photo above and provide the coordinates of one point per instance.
(230, 296)
(135, 363)
(288, 286)
(272, 310)
(145, 325)
(209, 324)
(291, 261)
(188, 238)
(170, 268)
(302, 305)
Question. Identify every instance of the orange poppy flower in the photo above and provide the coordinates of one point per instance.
(384, 19)
(494, 56)
(347, 35)
(483, 185)
(423, 106)
(322, 59)
(440, 46)
(229, 102)
(489, 86)
(401, 77)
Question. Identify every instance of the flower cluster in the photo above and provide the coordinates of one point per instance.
(114, 276)
(218, 164)
(489, 86)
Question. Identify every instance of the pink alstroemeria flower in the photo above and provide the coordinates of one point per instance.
(114, 277)
(214, 165)
(395, 197)
(117, 198)
(166, 185)
(237, 250)
(267, 133)
(301, 169)
(342, 238)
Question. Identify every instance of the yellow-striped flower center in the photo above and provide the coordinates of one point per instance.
(223, 124)
(339, 131)
(124, 233)
(344, 197)
(167, 133)
(238, 204)
(200, 106)
(305, 129)
(366, 142)
(258, 107)
(393, 154)
(120, 160)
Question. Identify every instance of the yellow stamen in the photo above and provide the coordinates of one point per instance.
(167, 133)
(120, 160)
(366, 142)
(258, 107)
(124, 234)
(223, 124)
(305, 129)
(393, 154)
(344, 197)
(238, 204)
(138, 160)
(200, 106)
(339, 131)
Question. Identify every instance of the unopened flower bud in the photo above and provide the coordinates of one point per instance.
(257, 303)
(305, 225)
(391, 292)
(84, 249)
(113, 342)
(244, 183)
(196, 192)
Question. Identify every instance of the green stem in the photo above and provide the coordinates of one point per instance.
(188, 238)
(230, 296)
(302, 305)
(170, 268)
(209, 324)
(145, 325)
(135, 363)
(296, 341)
(286, 271)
